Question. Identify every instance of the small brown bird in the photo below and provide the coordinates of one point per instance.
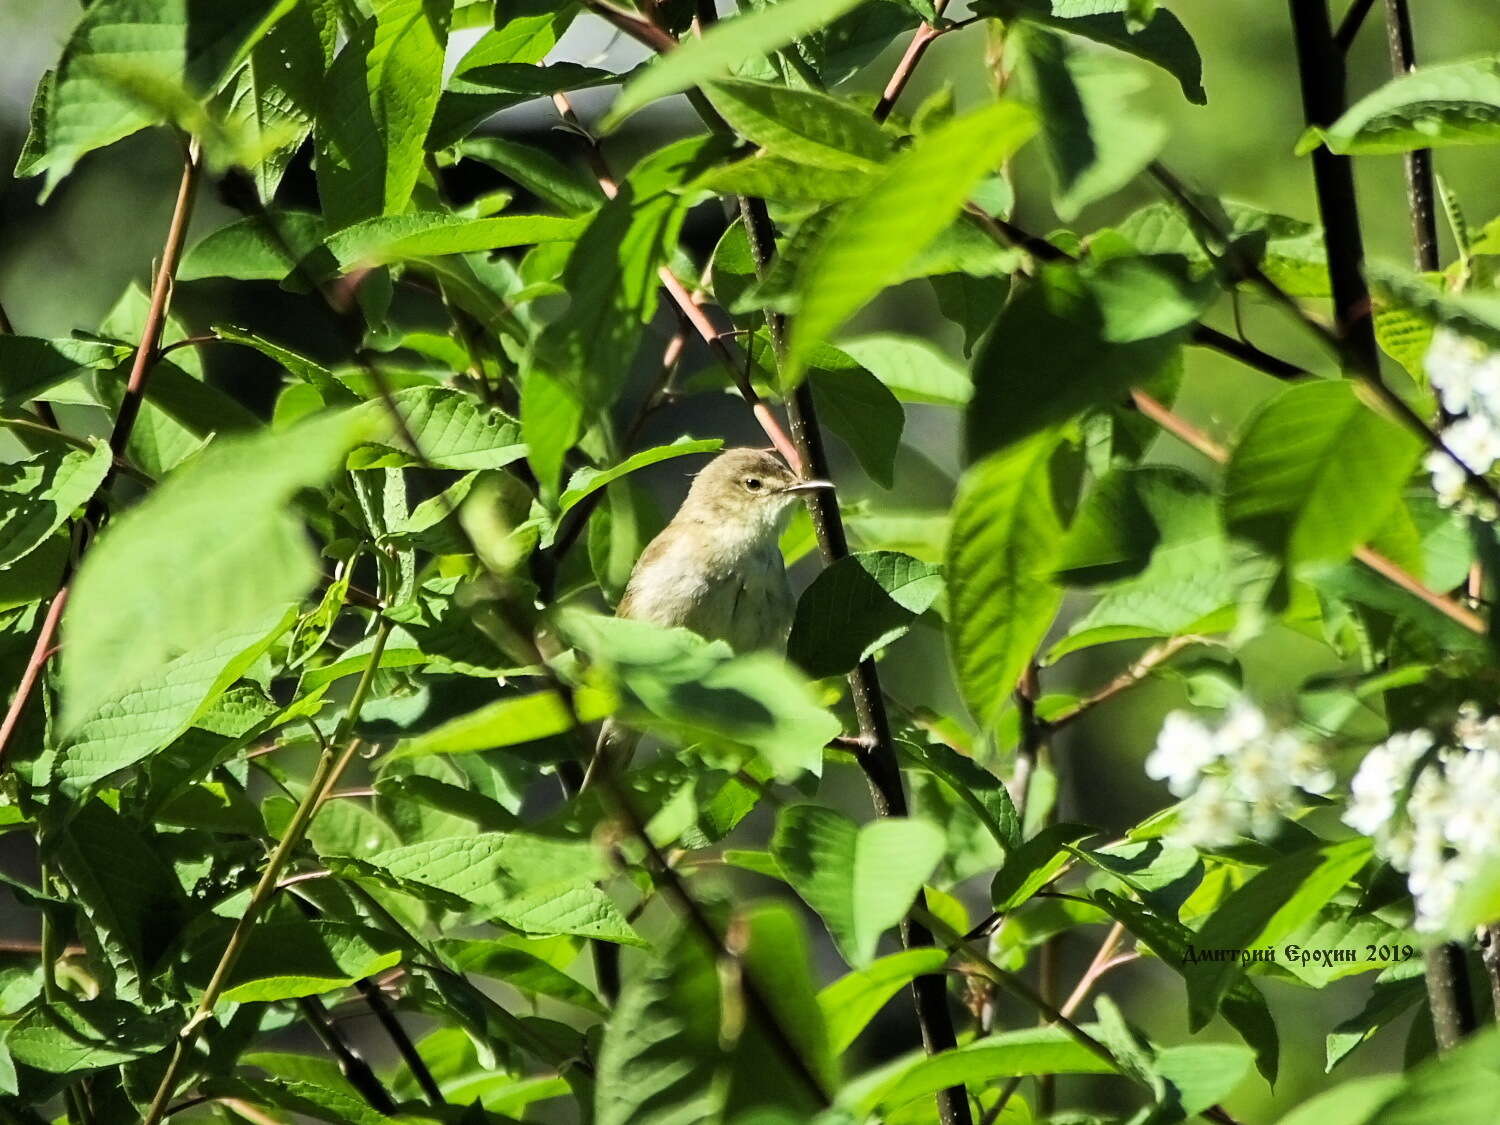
(717, 568)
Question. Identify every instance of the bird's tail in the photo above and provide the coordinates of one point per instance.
(612, 752)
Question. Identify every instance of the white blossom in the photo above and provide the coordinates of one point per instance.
(1381, 779)
(1464, 372)
(1435, 817)
(1184, 748)
(1242, 775)
(1466, 375)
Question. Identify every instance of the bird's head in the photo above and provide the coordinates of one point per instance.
(751, 487)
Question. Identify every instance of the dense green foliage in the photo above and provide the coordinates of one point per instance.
(300, 699)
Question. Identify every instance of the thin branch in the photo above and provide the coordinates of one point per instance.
(877, 757)
(415, 1063)
(1153, 658)
(325, 777)
(1190, 435)
(1354, 340)
(130, 405)
(1420, 196)
(1034, 732)
(688, 306)
(920, 41)
(1349, 26)
(1202, 335)
(41, 652)
(52, 432)
(641, 30)
(352, 1064)
(1104, 960)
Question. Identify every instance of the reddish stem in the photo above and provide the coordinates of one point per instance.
(146, 354)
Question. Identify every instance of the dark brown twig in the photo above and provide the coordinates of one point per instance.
(351, 1063)
(1201, 335)
(1353, 339)
(1418, 163)
(878, 760)
(1349, 26)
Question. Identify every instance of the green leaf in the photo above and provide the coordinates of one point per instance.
(476, 92)
(377, 106)
(674, 681)
(860, 879)
(158, 704)
(1273, 904)
(977, 787)
(877, 235)
(852, 1001)
(803, 126)
(254, 248)
(1004, 1054)
(1164, 41)
(1288, 250)
(176, 43)
(509, 722)
(551, 421)
(285, 960)
(1200, 1075)
(660, 1054)
(613, 273)
(569, 189)
(1316, 473)
(303, 1085)
(589, 480)
(772, 178)
(1448, 104)
(1243, 1007)
(912, 369)
(1387, 1002)
(126, 887)
(721, 50)
(534, 884)
(777, 959)
(865, 415)
(37, 576)
(1095, 143)
(272, 100)
(508, 960)
(1186, 585)
(396, 238)
(453, 430)
(1034, 864)
(1001, 553)
(857, 606)
(1350, 1103)
(1068, 319)
(74, 1035)
(222, 527)
(30, 366)
(37, 495)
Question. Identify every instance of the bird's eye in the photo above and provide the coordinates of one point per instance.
(753, 484)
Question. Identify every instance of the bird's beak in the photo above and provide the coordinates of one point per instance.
(808, 485)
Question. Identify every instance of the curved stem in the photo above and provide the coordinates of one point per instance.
(325, 776)
(130, 406)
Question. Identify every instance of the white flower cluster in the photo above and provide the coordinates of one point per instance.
(1466, 375)
(1442, 826)
(1241, 776)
